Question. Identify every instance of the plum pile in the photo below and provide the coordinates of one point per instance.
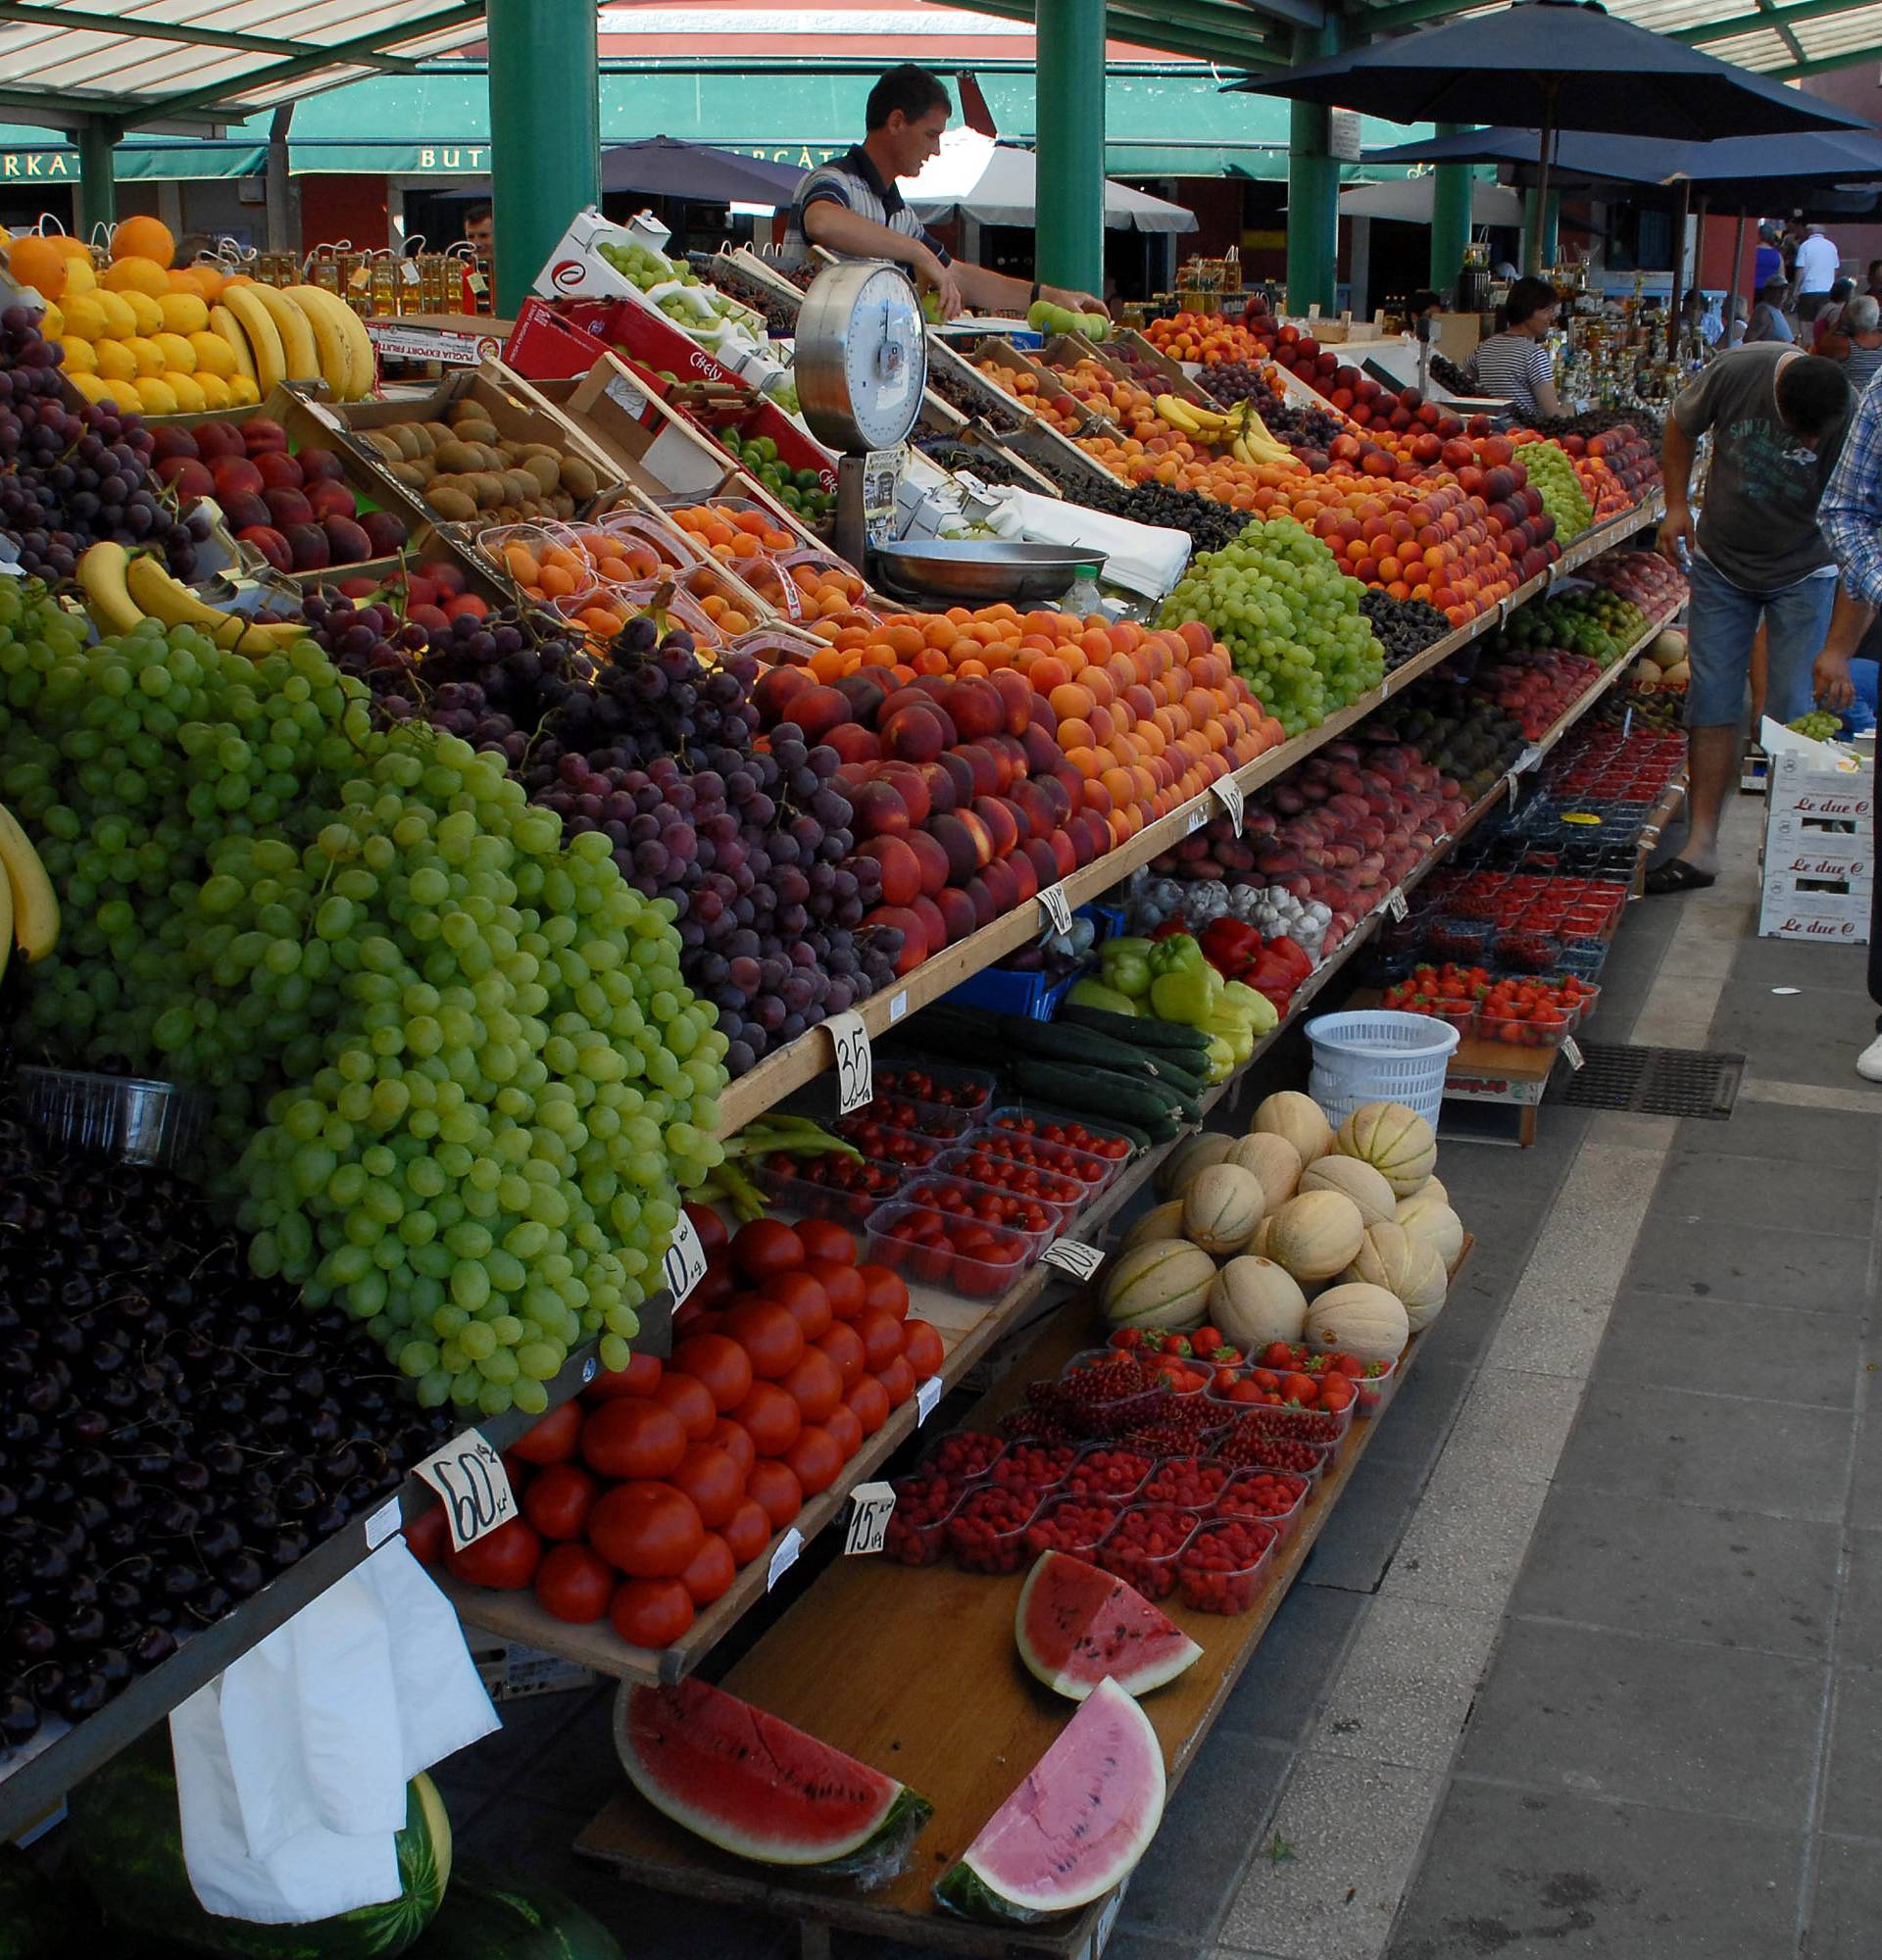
(178, 1432)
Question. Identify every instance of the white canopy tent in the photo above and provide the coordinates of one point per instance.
(996, 183)
(1409, 200)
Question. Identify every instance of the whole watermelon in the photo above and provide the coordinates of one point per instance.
(126, 1849)
(513, 1918)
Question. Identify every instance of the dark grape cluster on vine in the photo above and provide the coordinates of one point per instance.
(72, 477)
(177, 1431)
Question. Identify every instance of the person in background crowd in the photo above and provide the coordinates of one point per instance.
(1768, 320)
(1768, 261)
(1829, 318)
(1875, 283)
(1851, 516)
(1776, 416)
(479, 227)
(1512, 364)
(1856, 341)
(1816, 263)
(850, 206)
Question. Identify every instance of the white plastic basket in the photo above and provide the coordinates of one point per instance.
(1373, 1055)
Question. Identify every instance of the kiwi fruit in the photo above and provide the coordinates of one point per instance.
(544, 474)
(457, 456)
(384, 444)
(414, 475)
(439, 432)
(451, 502)
(474, 431)
(577, 479)
(519, 486)
(406, 435)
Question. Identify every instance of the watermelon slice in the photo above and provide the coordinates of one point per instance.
(1077, 1825)
(1077, 1625)
(755, 1787)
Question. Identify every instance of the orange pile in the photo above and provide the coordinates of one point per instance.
(733, 536)
(1149, 718)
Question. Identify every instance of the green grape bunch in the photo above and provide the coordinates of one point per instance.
(1288, 617)
(459, 1086)
(1819, 725)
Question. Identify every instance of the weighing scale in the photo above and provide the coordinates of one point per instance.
(861, 364)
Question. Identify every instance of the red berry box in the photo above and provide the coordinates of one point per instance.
(1075, 1525)
(1189, 1481)
(1223, 1567)
(1044, 1126)
(1091, 1171)
(917, 1530)
(933, 1249)
(966, 1454)
(1143, 1546)
(828, 1185)
(961, 1195)
(1039, 1467)
(940, 1085)
(1248, 1447)
(1276, 1497)
(1104, 1473)
(987, 1531)
(901, 1112)
(983, 1164)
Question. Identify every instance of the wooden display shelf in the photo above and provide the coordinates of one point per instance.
(806, 1058)
(34, 1781)
(915, 1672)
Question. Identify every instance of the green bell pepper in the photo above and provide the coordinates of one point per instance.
(1184, 993)
(1112, 999)
(1125, 967)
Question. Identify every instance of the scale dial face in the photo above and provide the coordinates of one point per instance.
(860, 362)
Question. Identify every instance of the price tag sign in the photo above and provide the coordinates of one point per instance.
(1528, 760)
(1395, 903)
(1229, 791)
(855, 1069)
(1571, 1054)
(872, 1507)
(927, 1399)
(408, 271)
(1071, 1257)
(1511, 785)
(784, 1556)
(1197, 818)
(684, 1260)
(1056, 907)
(358, 279)
(469, 1475)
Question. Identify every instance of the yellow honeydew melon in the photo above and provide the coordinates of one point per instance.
(1406, 1266)
(1160, 1221)
(1222, 1205)
(1680, 675)
(1359, 1319)
(1188, 1158)
(1297, 1117)
(1315, 1234)
(1273, 1159)
(1397, 1142)
(1669, 651)
(1433, 1220)
(1254, 1302)
(1360, 1182)
(1159, 1283)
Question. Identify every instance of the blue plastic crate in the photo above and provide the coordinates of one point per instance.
(1035, 996)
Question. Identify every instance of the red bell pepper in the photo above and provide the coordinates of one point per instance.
(1230, 946)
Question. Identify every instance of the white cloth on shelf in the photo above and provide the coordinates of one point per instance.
(1146, 558)
(292, 1764)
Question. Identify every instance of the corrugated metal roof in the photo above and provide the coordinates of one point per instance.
(183, 57)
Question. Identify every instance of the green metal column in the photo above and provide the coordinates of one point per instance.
(1550, 221)
(1449, 219)
(1071, 67)
(97, 175)
(1313, 187)
(545, 133)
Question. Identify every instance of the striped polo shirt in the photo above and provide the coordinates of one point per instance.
(1512, 367)
(852, 182)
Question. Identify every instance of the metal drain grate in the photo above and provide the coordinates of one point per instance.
(1655, 1081)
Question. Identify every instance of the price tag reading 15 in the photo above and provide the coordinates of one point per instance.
(469, 1475)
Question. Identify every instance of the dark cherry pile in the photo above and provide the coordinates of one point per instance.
(986, 464)
(1210, 525)
(73, 476)
(1404, 627)
(1002, 417)
(175, 1432)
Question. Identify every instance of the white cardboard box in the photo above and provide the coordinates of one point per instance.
(1813, 915)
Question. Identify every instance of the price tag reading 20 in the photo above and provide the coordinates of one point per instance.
(855, 1069)
(469, 1475)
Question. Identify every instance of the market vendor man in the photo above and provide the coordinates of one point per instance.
(851, 208)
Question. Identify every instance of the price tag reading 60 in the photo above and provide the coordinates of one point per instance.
(684, 1262)
(469, 1475)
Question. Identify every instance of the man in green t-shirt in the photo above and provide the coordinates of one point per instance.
(1777, 417)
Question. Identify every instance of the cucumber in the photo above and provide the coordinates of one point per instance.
(1050, 1041)
(1144, 1030)
(1158, 1109)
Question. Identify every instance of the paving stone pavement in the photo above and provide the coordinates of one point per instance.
(1589, 1660)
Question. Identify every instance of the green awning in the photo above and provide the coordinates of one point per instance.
(31, 154)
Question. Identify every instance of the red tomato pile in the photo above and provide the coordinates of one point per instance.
(1221, 1568)
(1074, 1136)
(641, 1501)
(998, 1172)
(944, 1090)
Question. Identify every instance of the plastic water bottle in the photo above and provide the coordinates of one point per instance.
(1084, 598)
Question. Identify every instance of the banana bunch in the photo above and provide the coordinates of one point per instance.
(29, 906)
(124, 589)
(1239, 429)
(773, 1131)
(295, 333)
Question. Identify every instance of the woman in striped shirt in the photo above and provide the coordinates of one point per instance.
(1512, 365)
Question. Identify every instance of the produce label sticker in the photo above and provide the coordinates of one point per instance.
(1528, 760)
(590, 1368)
(1230, 793)
(684, 1260)
(382, 1524)
(784, 1556)
(927, 1399)
(854, 1066)
(1058, 908)
(1395, 903)
(898, 1006)
(469, 1475)
(1571, 1054)
(872, 1507)
(1197, 818)
(1071, 1257)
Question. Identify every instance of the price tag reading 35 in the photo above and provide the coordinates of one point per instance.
(469, 1475)
(855, 1067)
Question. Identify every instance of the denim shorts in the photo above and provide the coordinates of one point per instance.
(1721, 624)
